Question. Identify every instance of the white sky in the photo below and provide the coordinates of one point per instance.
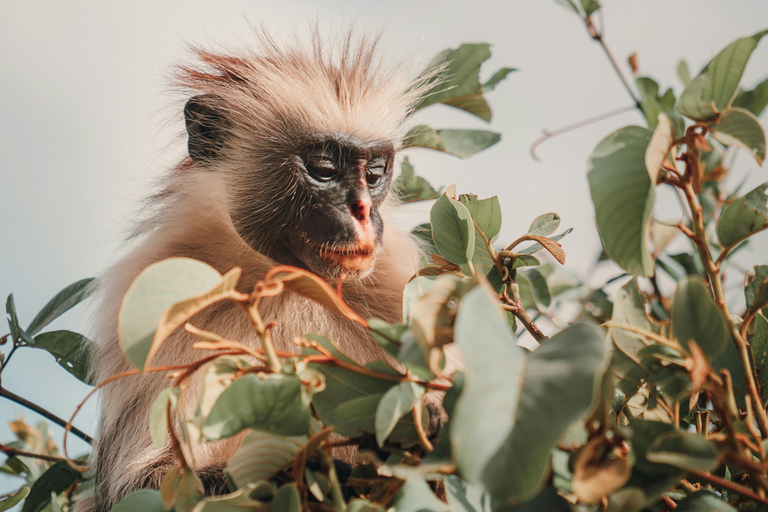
(82, 135)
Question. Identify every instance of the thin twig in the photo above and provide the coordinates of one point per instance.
(44, 413)
(13, 452)
(714, 479)
(598, 36)
(547, 134)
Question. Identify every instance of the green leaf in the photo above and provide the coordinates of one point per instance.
(759, 344)
(652, 104)
(743, 217)
(245, 499)
(568, 4)
(61, 303)
(548, 500)
(342, 386)
(508, 451)
(726, 69)
(423, 235)
(261, 456)
(755, 100)
(738, 127)
(539, 287)
(386, 334)
(56, 479)
(691, 104)
(623, 196)
(683, 450)
(416, 496)
(452, 230)
(287, 499)
(14, 499)
(143, 500)
(497, 77)
(644, 472)
(275, 404)
(396, 403)
(156, 289)
(756, 292)
(537, 246)
(458, 82)
(363, 505)
(683, 72)
(411, 188)
(461, 143)
(181, 489)
(158, 414)
(525, 260)
(485, 212)
(17, 333)
(695, 316)
(703, 501)
(71, 350)
(544, 225)
(589, 6)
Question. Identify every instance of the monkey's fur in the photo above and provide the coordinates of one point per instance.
(237, 201)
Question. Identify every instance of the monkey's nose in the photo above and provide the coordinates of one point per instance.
(361, 210)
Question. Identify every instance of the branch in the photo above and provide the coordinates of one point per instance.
(598, 36)
(515, 306)
(575, 126)
(45, 413)
(13, 452)
(725, 484)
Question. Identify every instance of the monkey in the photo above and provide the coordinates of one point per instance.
(290, 160)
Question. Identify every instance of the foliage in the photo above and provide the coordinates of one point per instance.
(644, 401)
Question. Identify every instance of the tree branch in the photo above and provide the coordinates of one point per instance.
(44, 413)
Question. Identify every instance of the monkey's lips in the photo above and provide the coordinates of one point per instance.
(356, 258)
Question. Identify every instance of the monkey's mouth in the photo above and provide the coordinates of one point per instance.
(355, 258)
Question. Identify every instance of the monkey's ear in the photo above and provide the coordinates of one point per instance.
(206, 128)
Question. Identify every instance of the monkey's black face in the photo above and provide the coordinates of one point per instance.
(344, 181)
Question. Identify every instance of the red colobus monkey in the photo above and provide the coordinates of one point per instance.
(290, 160)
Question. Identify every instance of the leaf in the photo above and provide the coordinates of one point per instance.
(703, 501)
(755, 100)
(60, 303)
(683, 450)
(71, 350)
(461, 143)
(652, 104)
(598, 472)
(56, 479)
(759, 344)
(658, 147)
(181, 489)
(423, 235)
(17, 333)
(548, 500)
(544, 225)
(411, 188)
(158, 414)
(756, 292)
(14, 499)
(537, 246)
(452, 230)
(589, 6)
(539, 287)
(143, 500)
(738, 127)
(623, 195)
(691, 104)
(457, 82)
(743, 217)
(313, 287)
(568, 4)
(274, 404)
(525, 260)
(287, 499)
(152, 294)
(261, 456)
(485, 212)
(396, 403)
(554, 248)
(695, 316)
(387, 335)
(416, 496)
(683, 72)
(726, 69)
(497, 77)
(525, 402)
(245, 499)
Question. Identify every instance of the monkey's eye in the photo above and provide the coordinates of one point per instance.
(375, 172)
(323, 169)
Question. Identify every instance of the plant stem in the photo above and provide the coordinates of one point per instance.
(338, 497)
(714, 479)
(13, 452)
(44, 413)
(515, 306)
(598, 36)
(713, 272)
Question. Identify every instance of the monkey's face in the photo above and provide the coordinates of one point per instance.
(343, 181)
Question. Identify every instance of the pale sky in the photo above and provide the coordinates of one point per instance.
(83, 131)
